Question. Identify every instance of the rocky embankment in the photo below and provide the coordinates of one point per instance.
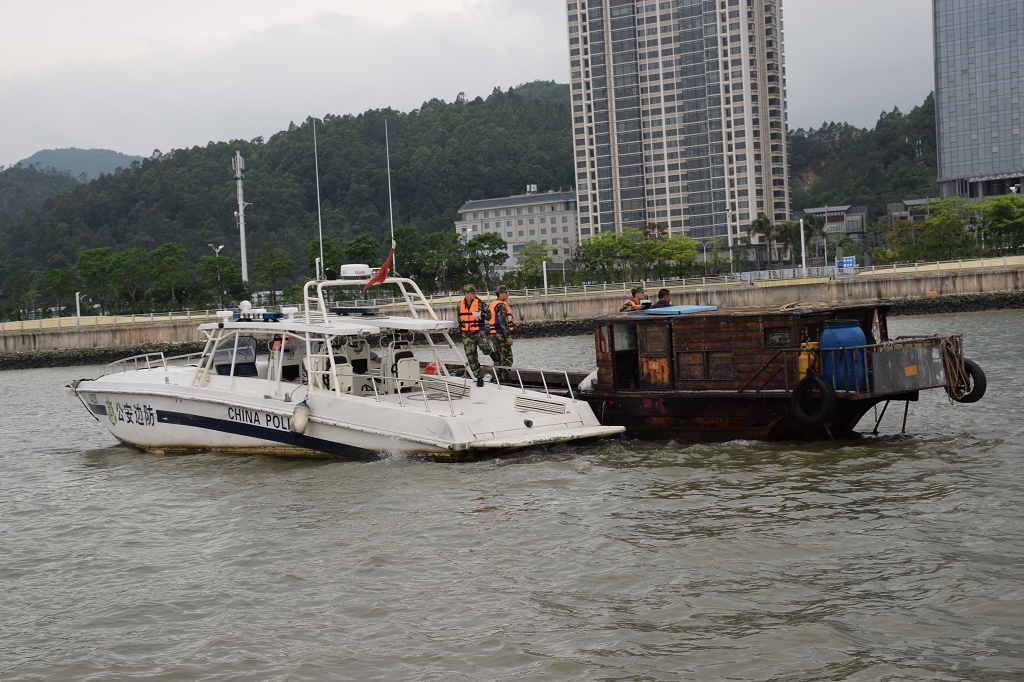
(71, 357)
(958, 303)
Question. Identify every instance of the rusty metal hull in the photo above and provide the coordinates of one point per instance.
(719, 417)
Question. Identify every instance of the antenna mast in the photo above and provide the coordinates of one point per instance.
(391, 210)
(319, 218)
(238, 163)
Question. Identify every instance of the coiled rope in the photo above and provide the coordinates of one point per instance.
(811, 305)
(957, 379)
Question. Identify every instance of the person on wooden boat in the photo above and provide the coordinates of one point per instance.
(502, 325)
(664, 299)
(472, 323)
(633, 304)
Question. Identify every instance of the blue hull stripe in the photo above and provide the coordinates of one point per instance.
(261, 433)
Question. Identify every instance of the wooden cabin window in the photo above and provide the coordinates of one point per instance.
(655, 339)
(705, 366)
(721, 366)
(778, 337)
(690, 366)
(602, 339)
(625, 337)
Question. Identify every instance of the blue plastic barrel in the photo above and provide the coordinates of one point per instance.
(846, 367)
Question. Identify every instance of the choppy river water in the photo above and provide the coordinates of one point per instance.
(890, 557)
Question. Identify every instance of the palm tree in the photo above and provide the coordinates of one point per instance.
(789, 236)
(814, 226)
(764, 226)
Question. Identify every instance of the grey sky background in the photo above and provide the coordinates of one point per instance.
(139, 76)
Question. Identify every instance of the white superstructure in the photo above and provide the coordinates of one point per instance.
(332, 380)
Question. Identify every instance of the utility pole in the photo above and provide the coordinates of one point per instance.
(220, 290)
(238, 163)
(803, 249)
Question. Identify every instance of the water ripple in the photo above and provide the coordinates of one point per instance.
(896, 556)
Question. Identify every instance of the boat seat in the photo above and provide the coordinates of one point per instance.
(344, 372)
(406, 367)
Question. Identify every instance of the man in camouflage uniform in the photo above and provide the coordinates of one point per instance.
(502, 327)
(633, 304)
(473, 316)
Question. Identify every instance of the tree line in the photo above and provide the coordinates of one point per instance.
(136, 281)
(442, 155)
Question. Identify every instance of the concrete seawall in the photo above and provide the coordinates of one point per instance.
(558, 315)
(558, 307)
(103, 337)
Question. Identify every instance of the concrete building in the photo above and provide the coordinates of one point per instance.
(549, 218)
(978, 74)
(679, 114)
(851, 221)
(909, 209)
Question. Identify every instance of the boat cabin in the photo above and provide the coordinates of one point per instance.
(701, 348)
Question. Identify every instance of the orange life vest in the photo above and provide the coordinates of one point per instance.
(495, 327)
(468, 323)
(631, 303)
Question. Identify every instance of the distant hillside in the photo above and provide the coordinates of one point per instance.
(840, 164)
(27, 189)
(547, 90)
(442, 154)
(75, 161)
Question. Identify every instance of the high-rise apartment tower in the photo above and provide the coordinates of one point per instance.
(679, 114)
(979, 66)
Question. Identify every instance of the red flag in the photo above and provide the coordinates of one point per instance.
(382, 274)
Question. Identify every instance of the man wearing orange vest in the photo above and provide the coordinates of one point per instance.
(473, 318)
(632, 304)
(502, 326)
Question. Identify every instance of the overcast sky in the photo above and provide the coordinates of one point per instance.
(137, 76)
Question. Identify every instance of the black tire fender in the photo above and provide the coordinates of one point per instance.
(979, 383)
(826, 410)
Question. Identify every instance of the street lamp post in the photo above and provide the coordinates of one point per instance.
(78, 308)
(220, 291)
(730, 214)
(803, 249)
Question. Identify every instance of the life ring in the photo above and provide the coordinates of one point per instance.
(977, 386)
(827, 406)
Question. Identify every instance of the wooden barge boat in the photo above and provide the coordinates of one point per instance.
(803, 371)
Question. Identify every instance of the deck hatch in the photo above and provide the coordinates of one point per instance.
(456, 391)
(524, 402)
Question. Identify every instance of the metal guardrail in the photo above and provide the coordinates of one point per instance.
(105, 321)
(565, 291)
(784, 360)
(941, 267)
(744, 279)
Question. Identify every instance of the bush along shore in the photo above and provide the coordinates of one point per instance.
(70, 357)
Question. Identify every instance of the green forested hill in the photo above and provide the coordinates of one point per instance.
(80, 162)
(441, 155)
(28, 188)
(842, 164)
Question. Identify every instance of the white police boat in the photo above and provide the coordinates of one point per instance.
(330, 380)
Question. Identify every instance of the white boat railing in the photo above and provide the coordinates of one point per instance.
(433, 383)
(150, 361)
(543, 378)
